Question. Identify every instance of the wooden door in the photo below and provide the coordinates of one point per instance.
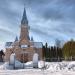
(24, 57)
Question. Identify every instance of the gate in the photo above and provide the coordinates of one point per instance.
(24, 57)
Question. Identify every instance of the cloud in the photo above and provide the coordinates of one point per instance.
(49, 19)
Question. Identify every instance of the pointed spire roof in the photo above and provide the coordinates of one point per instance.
(16, 39)
(32, 39)
(24, 18)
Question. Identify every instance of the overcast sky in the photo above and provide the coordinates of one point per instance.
(48, 19)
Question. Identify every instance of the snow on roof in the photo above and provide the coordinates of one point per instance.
(38, 44)
(8, 44)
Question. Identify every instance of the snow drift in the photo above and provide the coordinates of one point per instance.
(50, 66)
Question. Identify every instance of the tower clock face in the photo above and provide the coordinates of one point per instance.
(24, 46)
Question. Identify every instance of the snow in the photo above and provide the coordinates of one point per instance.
(15, 63)
(52, 68)
(35, 60)
(41, 64)
(12, 58)
(29, 65)
(18, 64)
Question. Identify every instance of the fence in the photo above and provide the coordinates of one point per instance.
(59, 59)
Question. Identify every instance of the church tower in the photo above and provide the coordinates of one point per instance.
(24, 34)
(24, 47)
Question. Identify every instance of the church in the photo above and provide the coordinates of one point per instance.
(24, 47)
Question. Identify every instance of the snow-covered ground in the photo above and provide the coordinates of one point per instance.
(53, 68)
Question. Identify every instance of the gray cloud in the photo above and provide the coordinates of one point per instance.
(60, 13)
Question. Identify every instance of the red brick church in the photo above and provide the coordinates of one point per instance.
(24, 47)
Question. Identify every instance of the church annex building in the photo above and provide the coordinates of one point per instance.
(24, 47)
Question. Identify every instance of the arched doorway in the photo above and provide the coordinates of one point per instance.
(24, 57)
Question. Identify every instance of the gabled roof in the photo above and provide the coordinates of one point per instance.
(38, 44)
(8, 44)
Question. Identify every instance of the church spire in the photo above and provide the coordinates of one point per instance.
(24, 18)
(24, 27)
(16, 39)
(32, 39)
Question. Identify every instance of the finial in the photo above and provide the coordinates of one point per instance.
(32, 39)
(16, 39)
(24, 20)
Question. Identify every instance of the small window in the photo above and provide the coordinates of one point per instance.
(24, 46)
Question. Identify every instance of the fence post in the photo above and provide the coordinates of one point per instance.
(14, 62)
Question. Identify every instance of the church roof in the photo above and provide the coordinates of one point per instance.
(38, 44)
(16, 39)
(24, 20)
(8, 44)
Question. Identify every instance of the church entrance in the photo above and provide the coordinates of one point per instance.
(24, 57)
